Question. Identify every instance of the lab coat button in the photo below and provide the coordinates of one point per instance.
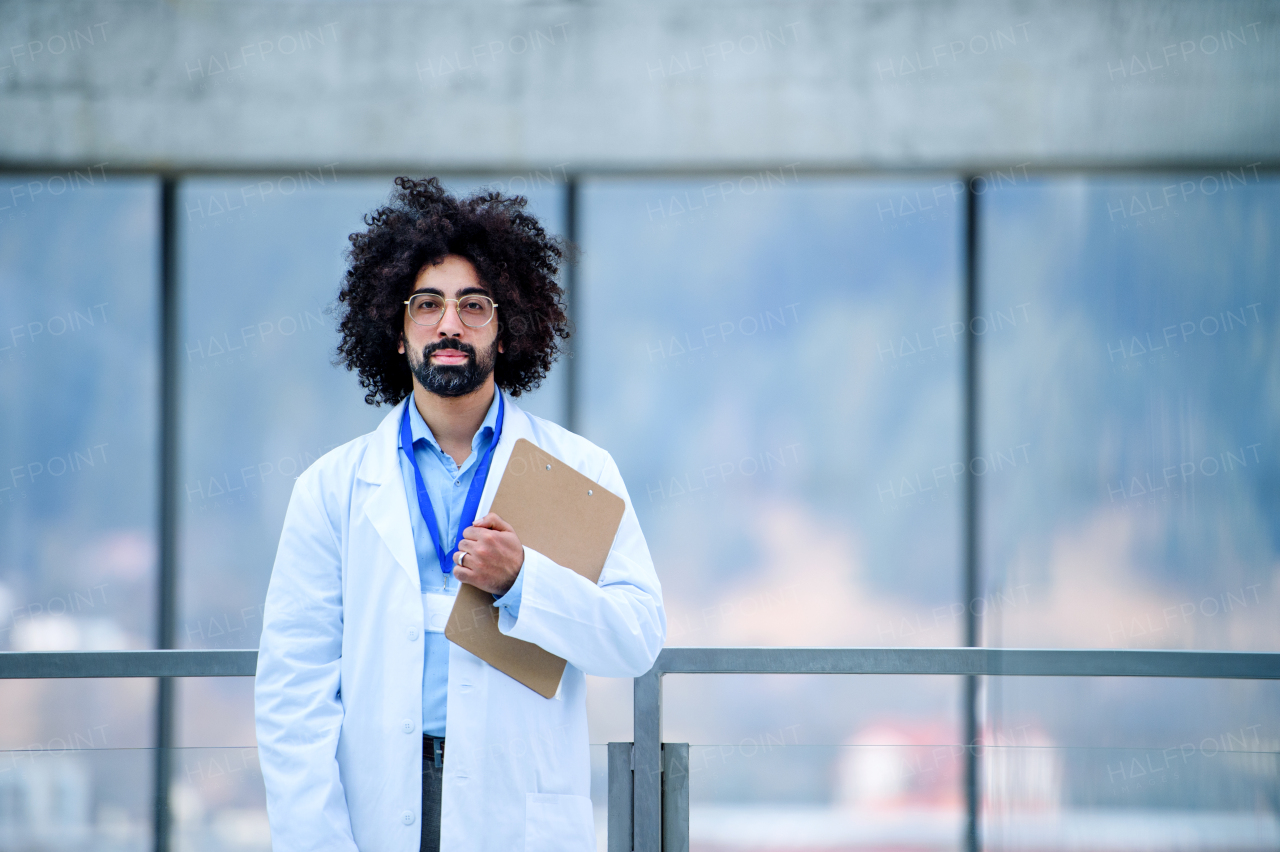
(413, 634)
(407, 816)
(408, 726)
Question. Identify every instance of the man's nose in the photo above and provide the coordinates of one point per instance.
(450, 325)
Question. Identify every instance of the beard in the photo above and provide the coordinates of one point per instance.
(453, 379)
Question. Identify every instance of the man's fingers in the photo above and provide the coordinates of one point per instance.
(471, 576)
(493, 522)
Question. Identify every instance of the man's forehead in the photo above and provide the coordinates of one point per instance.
(449, 276)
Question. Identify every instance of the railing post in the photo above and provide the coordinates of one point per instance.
(675, 797)
(620, 797)
(646, 824)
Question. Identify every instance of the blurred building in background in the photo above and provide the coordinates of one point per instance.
(781, 209)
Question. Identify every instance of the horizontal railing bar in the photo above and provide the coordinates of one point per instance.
(1025, 662)
(970, 661)
(190, 663)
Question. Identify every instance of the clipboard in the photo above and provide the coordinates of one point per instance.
(563, 515)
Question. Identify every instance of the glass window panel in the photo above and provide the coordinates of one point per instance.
(1145, 509)
(773, 364)
(79, 370)
(1169, 764)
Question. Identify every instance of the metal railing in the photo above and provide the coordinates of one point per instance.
(659, 780)
(648, 807)
(128, 664)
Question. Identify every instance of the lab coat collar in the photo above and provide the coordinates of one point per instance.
(388, 507)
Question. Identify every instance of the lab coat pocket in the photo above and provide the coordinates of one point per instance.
(554, 823)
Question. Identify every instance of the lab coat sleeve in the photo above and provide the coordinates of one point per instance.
(297, 708)
(511, 600)
(613, 628)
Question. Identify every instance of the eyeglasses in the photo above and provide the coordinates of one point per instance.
(428, 309)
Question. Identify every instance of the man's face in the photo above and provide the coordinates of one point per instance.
(450, 358)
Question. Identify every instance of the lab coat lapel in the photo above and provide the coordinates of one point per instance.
(387, 508)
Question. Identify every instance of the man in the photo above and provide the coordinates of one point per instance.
(374, 731)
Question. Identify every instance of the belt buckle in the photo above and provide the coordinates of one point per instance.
(437, 751)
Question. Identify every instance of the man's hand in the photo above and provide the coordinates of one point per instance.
(493, 555)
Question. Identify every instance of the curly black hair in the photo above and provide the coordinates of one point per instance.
(421, 224)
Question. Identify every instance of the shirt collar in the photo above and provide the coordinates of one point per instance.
(421, 432)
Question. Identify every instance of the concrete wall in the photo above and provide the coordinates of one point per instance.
(639, 85)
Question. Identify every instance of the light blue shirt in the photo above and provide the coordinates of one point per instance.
(447, 484)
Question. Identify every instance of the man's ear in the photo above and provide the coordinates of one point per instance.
(501, 349)
(400, 344)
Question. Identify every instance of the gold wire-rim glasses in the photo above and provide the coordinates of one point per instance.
(457, 307)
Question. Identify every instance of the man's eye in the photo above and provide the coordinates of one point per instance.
(473, 305)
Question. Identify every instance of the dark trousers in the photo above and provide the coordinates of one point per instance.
(432, 778)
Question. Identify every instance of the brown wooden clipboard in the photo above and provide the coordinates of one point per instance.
(563, 515)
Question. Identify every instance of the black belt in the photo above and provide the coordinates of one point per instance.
(433, 748)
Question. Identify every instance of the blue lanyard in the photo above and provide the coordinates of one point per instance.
(469, 506)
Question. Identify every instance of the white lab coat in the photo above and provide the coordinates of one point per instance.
(338, 694)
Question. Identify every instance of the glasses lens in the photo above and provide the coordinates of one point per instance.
(475, 310)
(426, 309)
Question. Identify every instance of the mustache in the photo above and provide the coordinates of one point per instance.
(466, 348)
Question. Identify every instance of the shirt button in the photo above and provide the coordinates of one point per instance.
(407, 817)
(457, 482)
(413, 634)
(407, 725)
